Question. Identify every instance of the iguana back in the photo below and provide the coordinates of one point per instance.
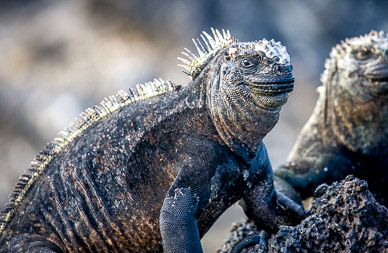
(81, 180)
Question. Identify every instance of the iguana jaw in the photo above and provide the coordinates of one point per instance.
(373, 79)
(270, 94)
(273, 88)
(377, 75)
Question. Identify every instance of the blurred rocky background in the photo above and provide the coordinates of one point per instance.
(59, 57)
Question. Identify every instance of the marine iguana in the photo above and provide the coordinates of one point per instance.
(348, 130)
(155, 167)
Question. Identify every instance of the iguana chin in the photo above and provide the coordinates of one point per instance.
(155, 168)
(348, 130)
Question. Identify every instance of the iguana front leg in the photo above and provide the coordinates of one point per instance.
(178, 223)
(188, 193)
(266, 206)
(271, 209)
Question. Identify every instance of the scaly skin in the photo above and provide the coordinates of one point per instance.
(157, 173)
(348, 130)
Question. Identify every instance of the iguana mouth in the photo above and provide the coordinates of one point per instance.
(377, 74)
(273, 88)
(379, 80)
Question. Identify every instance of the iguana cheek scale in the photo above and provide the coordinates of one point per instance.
(152, 169)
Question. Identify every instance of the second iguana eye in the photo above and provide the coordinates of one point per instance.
(247, 63)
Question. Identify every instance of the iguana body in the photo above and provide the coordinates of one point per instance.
(348, 130)
(156, 169)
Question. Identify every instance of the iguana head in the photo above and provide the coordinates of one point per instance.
(258, 72)
(246, 85)
(360, 67)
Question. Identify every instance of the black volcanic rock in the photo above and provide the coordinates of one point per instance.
(344, 217)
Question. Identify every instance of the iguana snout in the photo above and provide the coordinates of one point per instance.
(378, 74)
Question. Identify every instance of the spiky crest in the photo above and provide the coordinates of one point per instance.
(205, 48)
(86, 119)
(272, 49)
(379, 40)
(209, 45)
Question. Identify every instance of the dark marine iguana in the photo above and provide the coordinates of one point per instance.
(155, 167)
(348, 130)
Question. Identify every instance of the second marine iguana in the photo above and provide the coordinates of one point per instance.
(348, 130)
(154, 169)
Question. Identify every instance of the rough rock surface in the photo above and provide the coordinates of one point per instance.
(344, 217)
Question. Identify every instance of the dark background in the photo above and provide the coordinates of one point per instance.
(59, 57)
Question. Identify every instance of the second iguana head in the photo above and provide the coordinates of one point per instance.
(360, 67)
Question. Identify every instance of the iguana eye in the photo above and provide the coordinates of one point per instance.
(363, 53)
(247, 63)
(227, 56)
